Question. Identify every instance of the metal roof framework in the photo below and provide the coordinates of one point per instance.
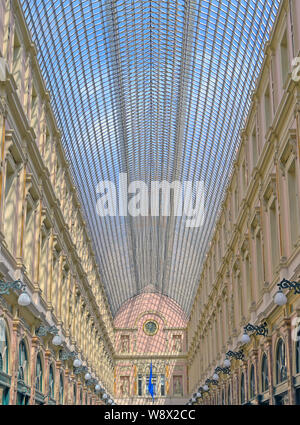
(158, 90)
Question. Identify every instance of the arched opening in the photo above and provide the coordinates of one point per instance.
(298, 352)
(4, 348)
(264, 374)
(4, 361)
(252, 382)
(51, 381)
(229, 395)
(61, 389)
(23, 390)
(242, 394)
(281, 371)
(75, 393)
(39, 374)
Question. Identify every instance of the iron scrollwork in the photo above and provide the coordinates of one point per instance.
(5, 287)
(44, 330)
(239, 355)
(260, 330)
(287, 284)
(225, 370)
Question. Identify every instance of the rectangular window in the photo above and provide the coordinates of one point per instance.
(267, 109)
(153, 382)
(240, 297)
(248, 283)
(162, 385)
(236, 203)
(140, 385)
(274, 235)
(284, 58)
(293, 199)
(244, 178)
(259, 260)
(254, 148)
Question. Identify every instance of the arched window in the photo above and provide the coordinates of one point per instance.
(229, 395)
(264, 374)
(298, 352)
(242, 389)
(4, 350)
(23, 363)
(252, 382)
(39, 374)
(61, 389)
(51, 381)
(281, 372)
(75, 393)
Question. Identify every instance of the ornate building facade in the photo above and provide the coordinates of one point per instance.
(44, 242)
(256, 243)
(150, 328)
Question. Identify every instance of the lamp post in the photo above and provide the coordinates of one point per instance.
(280, 298)
(5, 287)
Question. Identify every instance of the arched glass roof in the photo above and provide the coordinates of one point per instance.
(158, 90)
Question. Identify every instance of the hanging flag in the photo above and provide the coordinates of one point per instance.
(150, 385)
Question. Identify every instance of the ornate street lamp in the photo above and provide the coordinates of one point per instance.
(66, 355)
(44, 330)
(280, 298)
(77, 363)
(227, 363)
(239, 355)
(225, 370)
(92, 381)
(5, 287)
(212, 381)
(57, 340)
(80, 369)
(259, 330)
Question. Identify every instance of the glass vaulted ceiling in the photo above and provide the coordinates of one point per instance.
(158, 90)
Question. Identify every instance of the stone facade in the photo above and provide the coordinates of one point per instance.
(165, 347)
(256, 243)
(43, 240)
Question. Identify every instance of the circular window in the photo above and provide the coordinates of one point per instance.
(150, 327)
